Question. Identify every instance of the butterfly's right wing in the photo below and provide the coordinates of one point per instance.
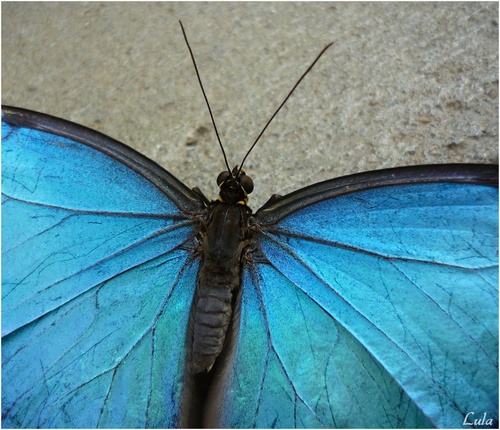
(97, 279)
(374, 303)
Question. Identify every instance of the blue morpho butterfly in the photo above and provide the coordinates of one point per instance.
(364, 301)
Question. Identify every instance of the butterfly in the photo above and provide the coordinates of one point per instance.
(130, 300)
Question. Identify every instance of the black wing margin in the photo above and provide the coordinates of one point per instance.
(278, 208)
(184, 198)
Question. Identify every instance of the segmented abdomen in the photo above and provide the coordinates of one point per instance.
(218, 283)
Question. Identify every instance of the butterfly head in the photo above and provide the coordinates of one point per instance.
(234, 186)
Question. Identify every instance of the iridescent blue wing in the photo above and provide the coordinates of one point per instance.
(97, 279)
(373, 303)
(349, 318)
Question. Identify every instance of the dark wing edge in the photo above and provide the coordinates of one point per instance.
(278, 208)
(179, 193)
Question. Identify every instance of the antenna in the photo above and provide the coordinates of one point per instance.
(270, 119)
(204, 95)
(283, 102)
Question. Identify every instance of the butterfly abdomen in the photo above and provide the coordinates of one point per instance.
(218, 283)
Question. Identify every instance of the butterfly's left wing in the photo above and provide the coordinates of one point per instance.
(373, 303)
(97, 279)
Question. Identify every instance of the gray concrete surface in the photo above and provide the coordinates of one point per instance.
(404, 83)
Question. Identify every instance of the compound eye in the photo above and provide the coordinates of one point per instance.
(247, 183)
(222, 177)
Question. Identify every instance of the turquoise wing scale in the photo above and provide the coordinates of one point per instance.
(96, 282)
(375, 308)
(368, 301)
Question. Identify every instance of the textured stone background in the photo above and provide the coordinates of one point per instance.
(404, 83)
